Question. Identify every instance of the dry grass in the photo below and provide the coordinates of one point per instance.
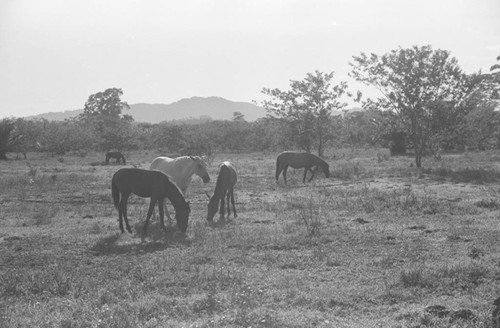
(374, 245)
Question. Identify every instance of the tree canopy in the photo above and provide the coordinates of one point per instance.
(106, 103)
(307, 108)
(425, 88)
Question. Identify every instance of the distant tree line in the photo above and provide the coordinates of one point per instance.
(426, 104)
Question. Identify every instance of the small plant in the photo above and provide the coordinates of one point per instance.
(310, 214)
(32, 171)
(415, 278)
(43, 215)
(382, 157)
(491, 204)
(209, 304)
(95, 229)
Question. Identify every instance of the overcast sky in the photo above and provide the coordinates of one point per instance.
(55, 53)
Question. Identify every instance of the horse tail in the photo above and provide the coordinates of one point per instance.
(115, 192)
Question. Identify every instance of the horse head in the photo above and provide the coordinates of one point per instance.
(200, 168)
(213, 204)
(182, 217)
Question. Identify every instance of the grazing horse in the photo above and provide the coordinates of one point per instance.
(223, 188)
(153, 184)
(181, 169)
(116, 155)
(297, 161)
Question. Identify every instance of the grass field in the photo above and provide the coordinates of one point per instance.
(375, 245)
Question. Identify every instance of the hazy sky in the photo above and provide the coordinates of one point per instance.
(55, 53)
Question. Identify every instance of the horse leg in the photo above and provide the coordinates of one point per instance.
(167, 213)
(312, 176)
(125, 215)
(123, 207)
(284, 172)
(120, 216)
(232, 202)
(151, 209)
(228, 194)
(221, 211)
(279, 169)
(160, 208)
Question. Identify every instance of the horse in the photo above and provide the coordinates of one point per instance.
(115, 154)
(153, 184)
(223, 188)
(299, 160)
(181, 169)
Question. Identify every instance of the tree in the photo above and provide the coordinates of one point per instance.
(307, 108)
(425, 88)
(238, 116)
(6, 128)
(107, 104)
(103, 114)
(26, 135)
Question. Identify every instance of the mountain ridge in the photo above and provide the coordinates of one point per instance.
(216, 108)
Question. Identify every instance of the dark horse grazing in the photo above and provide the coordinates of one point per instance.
(298, 161)
(223, 188)
(116, 155)
(153, 184)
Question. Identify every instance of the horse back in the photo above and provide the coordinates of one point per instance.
(298, 159)
(227, 175)
(143, 183)
(159, 163)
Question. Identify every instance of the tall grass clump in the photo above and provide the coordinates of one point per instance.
(347, 171)
(467, 175)
(310, 213)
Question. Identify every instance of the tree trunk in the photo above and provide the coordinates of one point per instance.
(419, 150)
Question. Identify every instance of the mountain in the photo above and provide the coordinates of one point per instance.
(215, 107)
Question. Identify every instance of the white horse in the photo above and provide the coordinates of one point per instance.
(180, 170)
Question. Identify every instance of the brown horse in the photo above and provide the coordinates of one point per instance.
(297, 161)
(116, 155)
(153, 184)
(223, 188)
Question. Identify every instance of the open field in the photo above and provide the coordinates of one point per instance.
(372, 246)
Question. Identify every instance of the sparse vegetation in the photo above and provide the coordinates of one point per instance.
(376, 244)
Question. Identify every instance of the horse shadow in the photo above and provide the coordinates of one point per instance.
(137, 243)
(220, 223)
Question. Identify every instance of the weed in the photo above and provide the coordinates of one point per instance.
(43, 214)
(32, 170)
(491, 204)
(95, 229)
(415, 277)
(473, 175)
(310, 215)
(347, 171)
(209, 304)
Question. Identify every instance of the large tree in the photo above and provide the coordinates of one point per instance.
(103, 114)
(307, 108)
(425, 88)
(107, 103)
